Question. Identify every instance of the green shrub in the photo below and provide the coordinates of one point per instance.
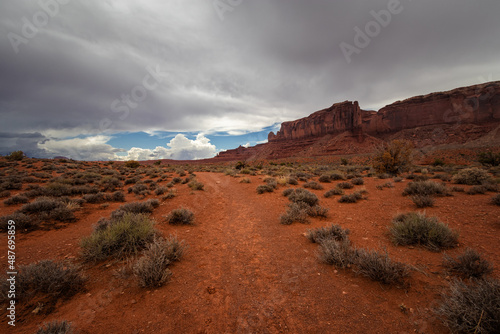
(468, 265)
(471, 176)
(379, 267)
(334, 232)
(180, 216)
(56, 279)
(123, 236)
(473, 307)
(56, 327)
(416, 229)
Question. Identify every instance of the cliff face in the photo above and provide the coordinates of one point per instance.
(460, 116)
(475, 104)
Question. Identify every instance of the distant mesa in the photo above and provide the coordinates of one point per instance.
(464, 115)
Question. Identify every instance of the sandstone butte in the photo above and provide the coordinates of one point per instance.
(467, 116)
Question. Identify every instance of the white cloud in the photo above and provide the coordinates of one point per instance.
(96, 148)
(179, 148)
(90, 148)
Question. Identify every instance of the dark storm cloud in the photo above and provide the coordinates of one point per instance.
(99, 67)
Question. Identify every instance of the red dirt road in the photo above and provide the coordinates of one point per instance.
(244, 272)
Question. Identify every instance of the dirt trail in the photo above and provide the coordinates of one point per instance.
(246, 273)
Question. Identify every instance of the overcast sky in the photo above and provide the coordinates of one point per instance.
(185, 79)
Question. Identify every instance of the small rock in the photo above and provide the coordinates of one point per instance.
(133, 301)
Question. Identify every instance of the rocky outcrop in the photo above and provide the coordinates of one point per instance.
(458, 116)
(474, 104)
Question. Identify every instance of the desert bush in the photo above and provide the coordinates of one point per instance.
(139, 189)
(123, 236)
(416, 229)
(339, 253)
(49, 209)
(489, 158)
(471, 176)
(442, 177)
(180, 216)
(304, 196)
(397, 179)
(195, 185)
(171, 194)
(426, 188)
(23, 222)
(394, 157)
(468, 265)
(317, 211)
(95, 198)
(287, 192)
(337, 176)
(57, 279)
(56, 327)
(296, 213)
(152, 268)
(473, 307)
(15, 156)
(140, 207)
(333, 232)
(423, 201)
(345, 185)
(117, 196)
(161, 190)
(313, 185)
(474, 190)
(457, 189)
(351, 198)
(110, 183)
(17, 199)
(333, 192)
(496, 200)
(379, 267)
(358, 181)
(132, 164)
(324, 178)
(4, 194)
(292, 181)
(265, 188)
(271, 181)
(132, 180)
(245, 180)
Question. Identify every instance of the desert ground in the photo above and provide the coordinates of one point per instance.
(243, 271)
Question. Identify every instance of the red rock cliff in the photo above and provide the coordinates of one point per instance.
(475, 105)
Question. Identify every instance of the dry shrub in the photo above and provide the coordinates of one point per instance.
(56, 327)
(180, 216)
(333, 192)
(473, 307)
(337, 252)
(423, 201)
(394, 157)
(379, 267)
(426, 188)
(415, 228)
(472, 176)
(468, 265)
(334, 232)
